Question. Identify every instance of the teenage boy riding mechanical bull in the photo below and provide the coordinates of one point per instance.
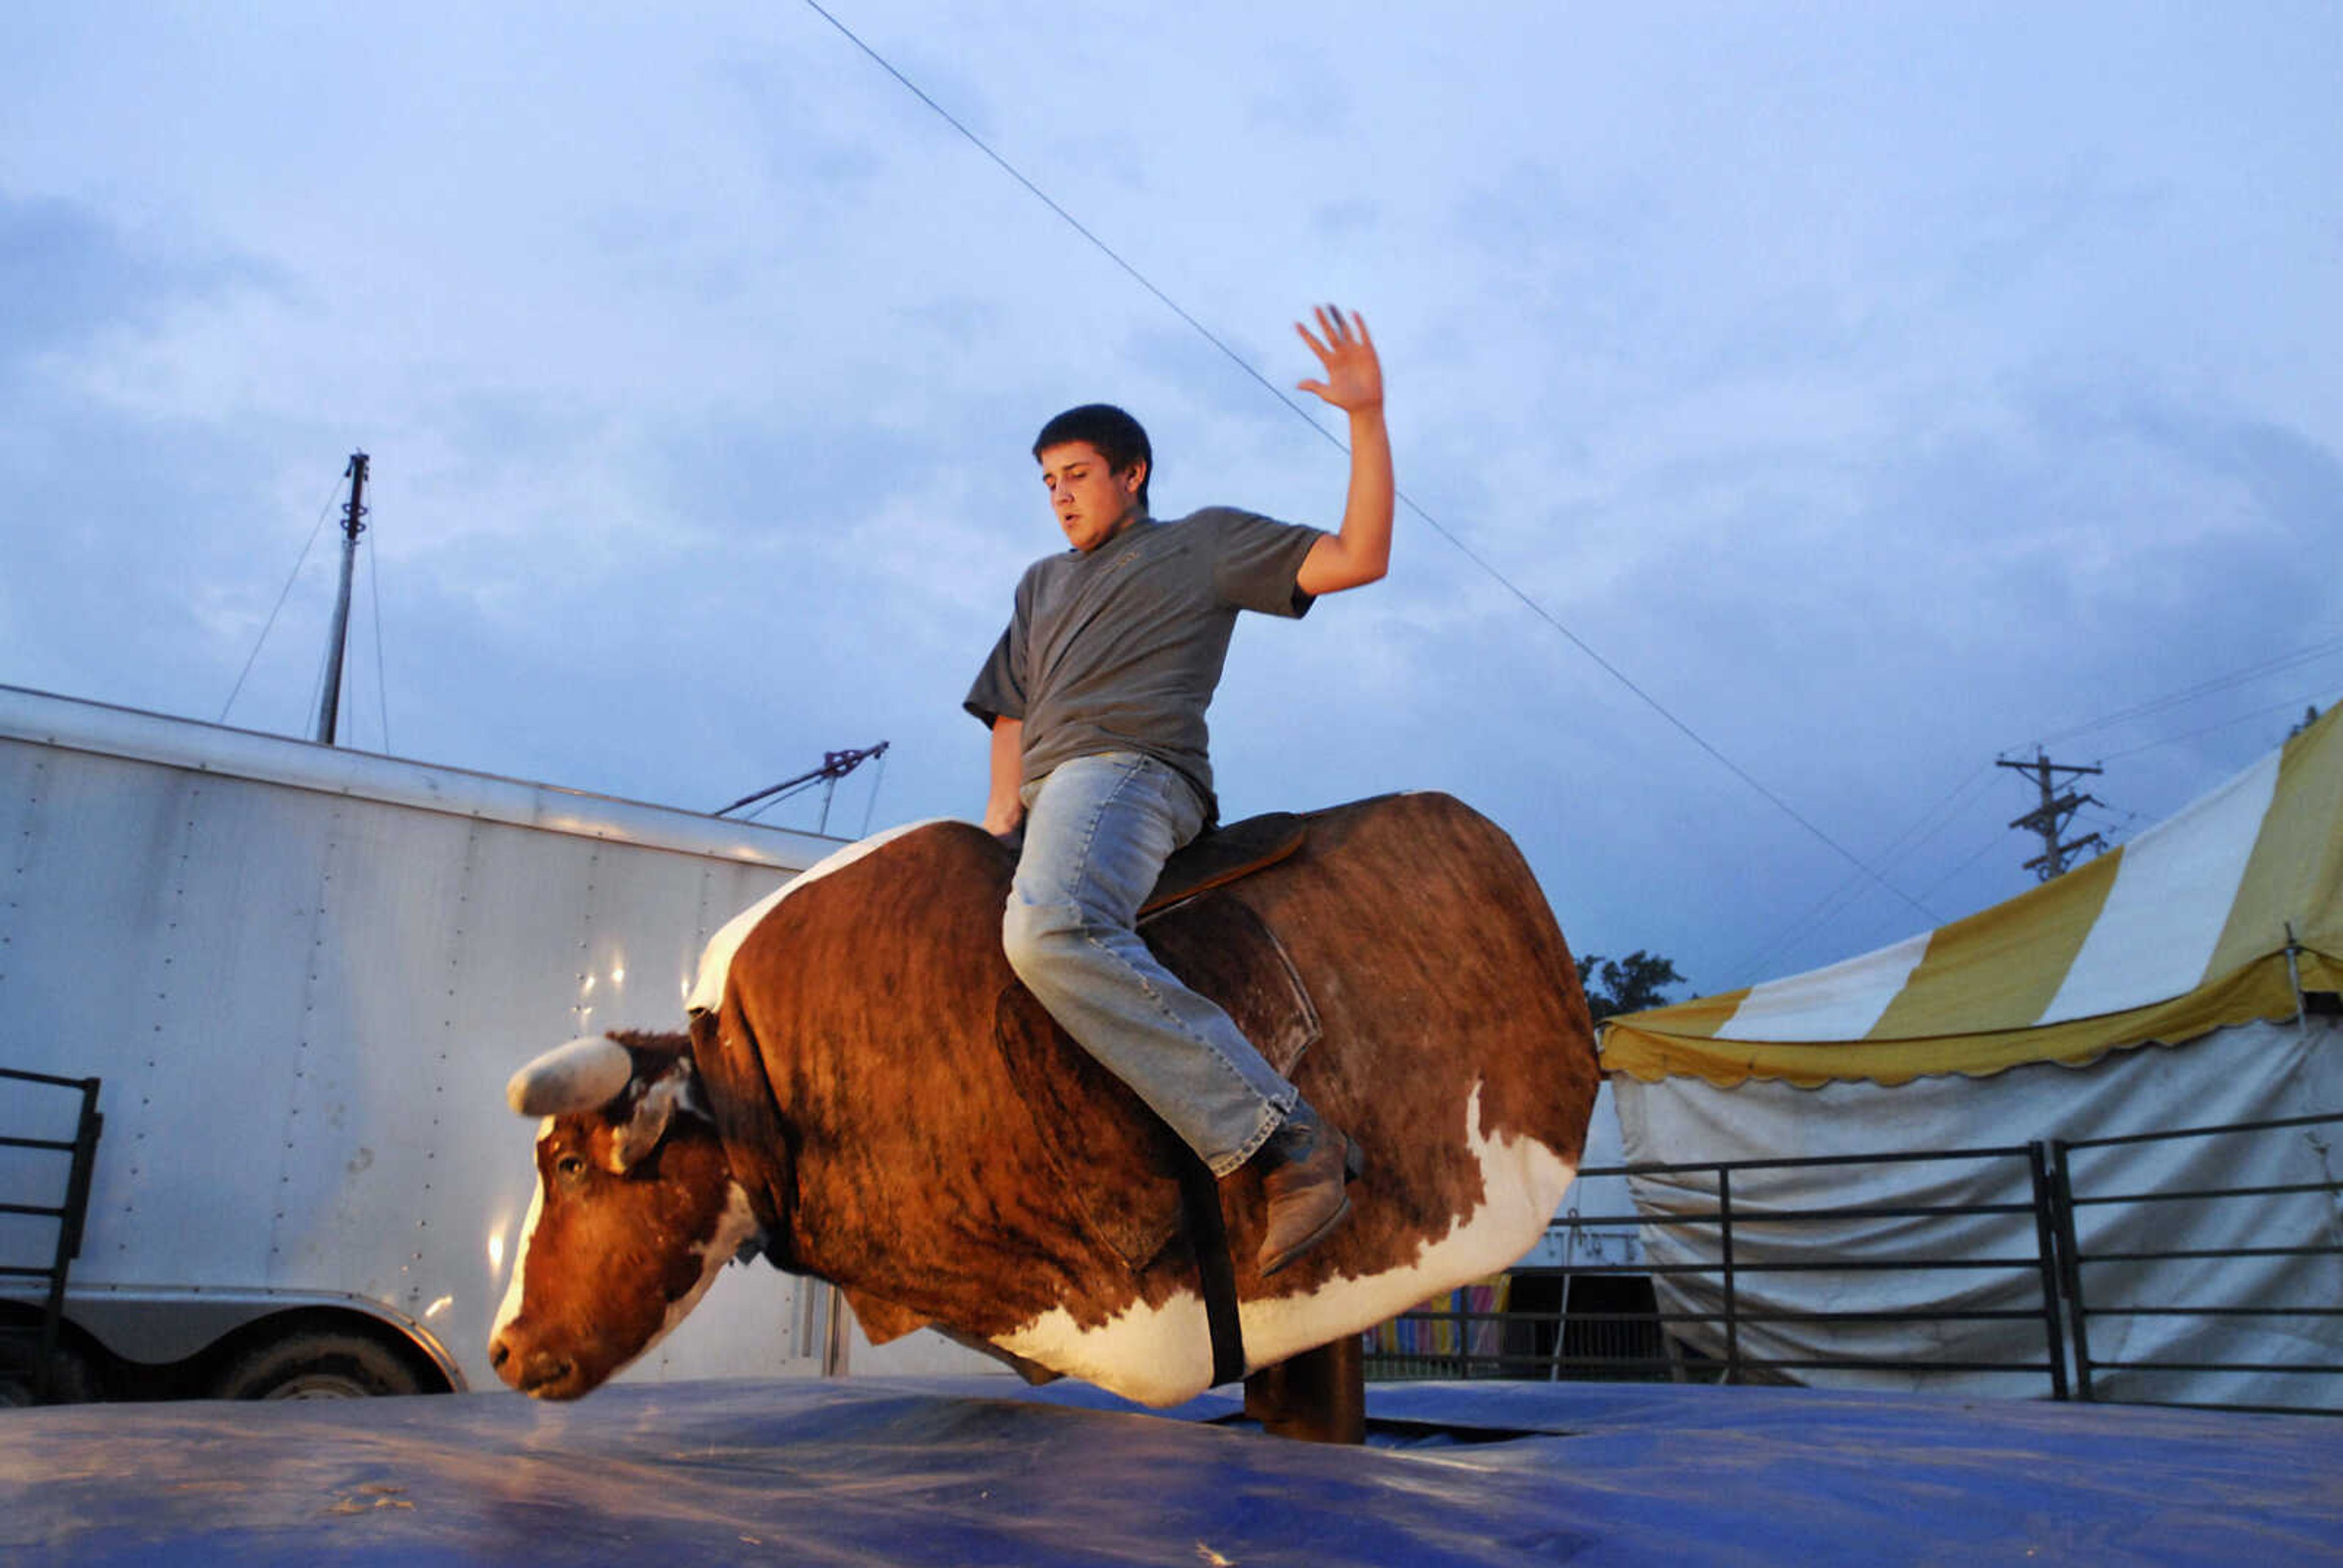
(1096, 696)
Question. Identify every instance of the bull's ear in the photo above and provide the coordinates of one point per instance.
(583, 1075)
(671, 1089)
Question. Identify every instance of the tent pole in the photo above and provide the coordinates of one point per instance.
(2294, 977)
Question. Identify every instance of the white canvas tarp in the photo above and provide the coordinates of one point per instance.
(2253, 1073)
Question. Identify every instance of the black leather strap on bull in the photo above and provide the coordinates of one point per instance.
(1216, 1275)
(741, 1099)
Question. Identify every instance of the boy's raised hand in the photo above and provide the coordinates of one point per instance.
(1354, 373)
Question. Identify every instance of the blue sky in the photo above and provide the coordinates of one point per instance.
(1881, 389)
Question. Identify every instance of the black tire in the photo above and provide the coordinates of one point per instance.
(74, 1378)
(318, 1364)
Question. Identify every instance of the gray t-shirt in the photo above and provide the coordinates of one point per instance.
(1119, 650)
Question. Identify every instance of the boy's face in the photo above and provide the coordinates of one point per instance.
(1094, 503)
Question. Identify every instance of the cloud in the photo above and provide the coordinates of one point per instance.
(71, 275)
(1873, 399)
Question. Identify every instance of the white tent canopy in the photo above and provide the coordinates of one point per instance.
(2221, 915)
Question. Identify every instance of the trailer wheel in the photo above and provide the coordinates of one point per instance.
(73, 1377)
(318, 1364)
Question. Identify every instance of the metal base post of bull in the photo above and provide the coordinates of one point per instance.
(1317, 1396)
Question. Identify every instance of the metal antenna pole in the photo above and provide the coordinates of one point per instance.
(835, 765)
(329, 706)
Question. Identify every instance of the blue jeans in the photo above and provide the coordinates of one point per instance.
(1097, 832)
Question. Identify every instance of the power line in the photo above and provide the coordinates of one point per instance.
(1614, 671)
(1988, 847)
(1833, 903)
(1981, 850)
(2291, 702)
(2235, 678)
(1073, 223)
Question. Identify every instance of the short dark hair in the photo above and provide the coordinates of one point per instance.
(1118, 438)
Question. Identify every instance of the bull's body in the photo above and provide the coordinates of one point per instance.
(902, 1117)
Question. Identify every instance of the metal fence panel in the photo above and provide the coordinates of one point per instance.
(2112, 1295)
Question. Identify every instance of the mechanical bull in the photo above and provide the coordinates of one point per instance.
(867, 1095)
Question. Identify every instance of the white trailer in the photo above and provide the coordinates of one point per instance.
(303, 975)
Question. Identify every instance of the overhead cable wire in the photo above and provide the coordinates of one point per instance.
(2154, 705)
(2000, 839)
(1835, 902)
(1996, 841)
(2292, 702)
(1534, 607)
(1038, 193)
(317, 687)
(381, 672)
(2114, 818)
(298, 562)
(791, 793)
(879, 777)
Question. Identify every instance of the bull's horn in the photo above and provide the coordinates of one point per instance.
(583, 1075)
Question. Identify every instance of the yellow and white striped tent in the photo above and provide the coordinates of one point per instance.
(2029, 1021)
(2221, 915)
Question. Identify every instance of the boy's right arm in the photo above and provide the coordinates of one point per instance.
(1004, 811)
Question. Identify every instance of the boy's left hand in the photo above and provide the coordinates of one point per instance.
(1354, 375)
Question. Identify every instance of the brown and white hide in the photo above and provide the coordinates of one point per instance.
(927, 1138)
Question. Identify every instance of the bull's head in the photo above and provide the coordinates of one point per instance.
(636, 1210)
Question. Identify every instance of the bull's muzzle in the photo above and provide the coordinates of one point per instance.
(541, 1374)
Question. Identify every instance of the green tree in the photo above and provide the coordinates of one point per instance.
(1631, 984)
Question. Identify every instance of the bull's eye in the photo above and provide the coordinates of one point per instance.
(570, 1167)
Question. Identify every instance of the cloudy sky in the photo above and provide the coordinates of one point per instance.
(1875, 390)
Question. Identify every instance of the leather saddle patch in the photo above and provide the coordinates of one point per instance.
(1222, 855)
(1113, 1158)
(1225, 951)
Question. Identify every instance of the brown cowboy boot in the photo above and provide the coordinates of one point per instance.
(1308, 1167)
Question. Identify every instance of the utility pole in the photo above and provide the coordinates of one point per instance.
(329, 706)
(2049, 818)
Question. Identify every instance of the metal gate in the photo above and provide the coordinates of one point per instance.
(2080, 1272)
(2116, 1278)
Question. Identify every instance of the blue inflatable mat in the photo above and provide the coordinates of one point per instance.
(984, 1472)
